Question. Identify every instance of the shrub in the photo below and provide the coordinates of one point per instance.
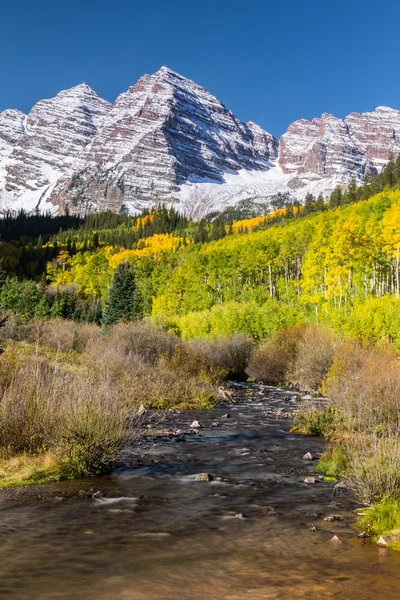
(373, 471)
(228, 354)
(142, 339)
(312, 420)
(155, 369)
(259, 321)
(65, 335)
(96, 426)
(314, 356)
(84, 421)
(30, 407)
(382, 518)
(364, 383)
(273, 361)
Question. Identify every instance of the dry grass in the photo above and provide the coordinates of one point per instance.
(299, 355)
(364, 383)
(314, 356)
(25, 469)
(373, 470)
(274, 361)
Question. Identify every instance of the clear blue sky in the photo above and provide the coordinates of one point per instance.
(269, 62)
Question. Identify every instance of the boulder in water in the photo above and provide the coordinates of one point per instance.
(195, 425)
(385, 540)
(336, 540)
(308, 456)
(310, 480)
(204, 477)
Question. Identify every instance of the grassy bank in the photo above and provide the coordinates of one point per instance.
(360, 419)
(70, 395)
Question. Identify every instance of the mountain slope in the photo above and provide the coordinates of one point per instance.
(168, 139)
(49, 142)
(162, 132)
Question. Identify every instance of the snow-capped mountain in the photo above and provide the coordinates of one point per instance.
(168, 139)
(47, 143)
(162, 132)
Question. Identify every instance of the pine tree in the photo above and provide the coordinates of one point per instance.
(388, 174)
(309, 203)
(351, 194)
(397, 172)
(336, 198)
(3, 272)
(320, 203)
(124, 301)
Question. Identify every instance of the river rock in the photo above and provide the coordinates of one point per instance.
(204, 477)
(308, 456)
(331, 518)
(310, 480)
(195, 425)
(268, 510)
(336, 540)
(86, 493)
(226, 416)
(229, 480)
(385, 540)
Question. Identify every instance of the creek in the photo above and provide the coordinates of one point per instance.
(158, 534)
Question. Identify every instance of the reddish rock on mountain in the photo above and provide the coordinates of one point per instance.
(167, 139)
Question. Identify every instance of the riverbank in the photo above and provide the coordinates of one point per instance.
(255, 530)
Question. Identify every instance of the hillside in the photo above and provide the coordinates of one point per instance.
(335, 262)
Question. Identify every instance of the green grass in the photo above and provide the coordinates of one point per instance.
(333, 462)
(382, 519)
(314, 422)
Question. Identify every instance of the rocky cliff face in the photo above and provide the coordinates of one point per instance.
(48, 141)
(321, 148)
(163, 131)
(11, 131)
(168, 139)
(376, 133)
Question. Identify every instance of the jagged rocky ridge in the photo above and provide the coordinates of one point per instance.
(168, 139)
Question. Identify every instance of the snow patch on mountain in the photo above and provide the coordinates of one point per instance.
(167, 139)
(196, 199)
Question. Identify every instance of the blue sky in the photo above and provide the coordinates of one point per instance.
(269, 62)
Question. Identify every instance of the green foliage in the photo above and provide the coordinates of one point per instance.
(334, 461)
(22, 297)
(124, 301)
(258, 321)
(382, 518)
(319, 423)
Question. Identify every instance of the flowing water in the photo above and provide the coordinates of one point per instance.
(158, 534)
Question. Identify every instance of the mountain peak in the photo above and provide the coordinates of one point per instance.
(167, 71)
(168, 139)
(80, 90)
